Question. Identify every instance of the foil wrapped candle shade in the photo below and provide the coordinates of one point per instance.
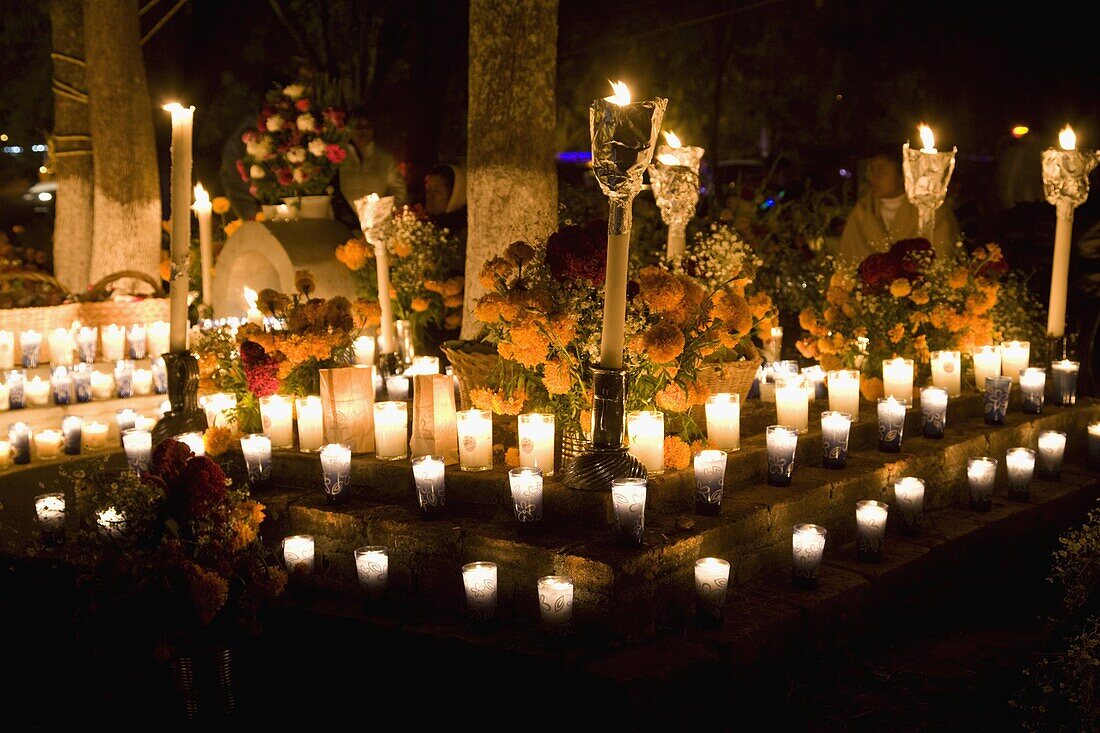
(782, 443)
(47, 444)
(808, 545)
(37, 391)
(792, 402)
(430, 479)
(61, 347)
(909, 503)
(981, 476)
(311, 425)
(947, 372)
(95, 435)
(526, 487)
(836, 427)
(933, 406)
(364, 347)
(124, 379)
(391, 420)
(1094, 446)
(645, 431)
(997, 390)
(628, 497)
(257, 457)
(723, 412)
(870, 529)
(536, 441)
(987, 363)
(1052, 449)
(891, 425)
(1015, 356)
(336, 467)
(710, 475)
(475, 440)
(276, 416)
(17, 394)
(1033, 383)
(62, 385)
(219, 408)
(480, 582)
(372, 566)
(194, 441)
(1020, 463)
(897, 379)
(19, 436)
(556, 603)
(138, 445)
(50, 511)
(1063, 375)
(927, 173)
(712, 577)
(72, 429)
(114, 336)
(30, 345)
(86, 343)
(298, 556)
(137, 339)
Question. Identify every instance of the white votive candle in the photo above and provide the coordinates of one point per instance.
(336, 470)
(646, 437)
(114, 342)
(61, 347)
(397, 387)
(475, 440)
(7, 349)
(1033, 383)
(808, 545)
(193, 441)
(628, 497)
(792, 403)
(947, 371)
(555, 602)
(158, 338)
(30, 346)
(391, 421)
(143, 382)
(536, 441)
(111, 522)
(298, 552)
(1020, 463)
(219, 407)
(277, 417)
(37, 391)
(103, 385)
(257, 456)
(425, 365)
(1063, 374)
(1052, 448)
(95, 435)
(870, 529)
(712, 577)
(981, 476)
(724, 421)
(1015, 356)
(72, 428)
(909, 500)
(47, 444)
(87, 343)
(480, 581)
(372, 565)
(364, 350)
(987, 363)
(138, 445)
(897, 379)
(429, 475)
(311, 424)
(526, 487)
(843, 387)
(137, 340)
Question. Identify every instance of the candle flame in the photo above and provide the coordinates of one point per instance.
(927, 139)
(671, 139)
(201, 196)
(621, 94)
(891, 401)
(1067, 139)
(250, 297)
(668, 159)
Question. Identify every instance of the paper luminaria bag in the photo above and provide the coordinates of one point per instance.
(435, 424)
(347, 403)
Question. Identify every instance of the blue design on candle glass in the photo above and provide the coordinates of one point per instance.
(30, 352)
(835, 432)
(17, 397)
(1031, 393)
(526, 486)
(891, 425)
(72, 431)
(136, 340)
(710, 478)
(19, 436)
(996, 399)
(1065, 383)
(124, 378)
(126, 420)
(981, 474)
(782, 444)
(337, 470)
(138, 454)
(61, 384)
(82, 383)
(628, 500)
(430, 479)
(933, 412)
(86, 344)
(160, 376)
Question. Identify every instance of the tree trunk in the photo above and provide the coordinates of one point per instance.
(127, 230)
(71, 148)
(512, 183)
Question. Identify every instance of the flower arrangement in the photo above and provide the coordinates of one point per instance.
(543, 310)
(907, 302)
(295, 147)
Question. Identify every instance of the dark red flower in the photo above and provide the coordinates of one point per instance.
(168, 461)
(337, 117)
(284, 176)
(302, 105)
(200, 488)
(579, 253)
(913, 255)
(880, 269)
(335, 154)
(242, 171)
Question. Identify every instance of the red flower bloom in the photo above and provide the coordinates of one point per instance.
(336, 117)
(335, 154)
(302, 105)
(912, 254)
(880, 269)
(200, 489)
(579, 253)
(242, 171)
(168, 461)
(284, 176)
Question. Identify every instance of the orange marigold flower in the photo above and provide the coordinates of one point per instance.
(454, 285)
(959, 278)
(401, 248)
(453, 321)
(564, 328)
(433, 286)
(365, 313)
(695, 295)
(698, 393)
(531, 344)
(733, 310)
(920, 296)
(217, 440)
(896, 333)
(760, 304)
(660, 289)
(806, 348)
(871, 388)
(231, 228)
(511, 458)
(900, 287)
(519, 252)
(220, 205)
(677, 453)
(506, 350)
(354, 254)
(481, 398)
(453, 301)
(511, 405)
(420, 304)
(808, 319)
(673, 398)
(664, 342)
(208, 591)
(556, 377)
(487, 309)
(493, 271)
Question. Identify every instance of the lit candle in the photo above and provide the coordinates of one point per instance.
(336, 466)
(203, 209)
(556, 603)
(372, 565)
(158, 338)
(836, 428)
(710, 476)
(37, 391)
(947, 371)
(19, 435)
(981, 475)
(909, 500)
(1014, 358)
(141, 422)
(723, 412)
(897, 378)
(86, 339)
(891, 425)
(72, 429)
(47, 444)
(1052, 448)
(429, 476)
(62, 385)
(475, 440)
(397, 387)
(870, 529)
(298, 553)
(1064, 376)
(782, 442)
(50, 509)
(1094, 446)
(536, 441)
(792, 403)
(160, 376)
(138, 445)
(364, 350)
(646, 438)
(765, 376)
(114, 337)
(628, 501)
(252, 315)
(181, 222)
(1020, 463)
(82, 383)
(1033, 382)
(933, 408)
(816, 377)
(987, 363)
(526, 486)
(425, 365)
(17, 395)
(137, 339)
(111, 522)
(480, 581)
(712, 576)
(193, 441)
(311, 425)
(143, 382)
(5, 402)
(124, 378)
(257, 457)
(996, 399)
(808, 541)
(391, 420)
(7, 349)
(103, 385)
(95, 435)
(276, 416)
(61, 347)
(6, 454)
(30, 343)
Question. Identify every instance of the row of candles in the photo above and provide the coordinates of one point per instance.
(70, 345)
(76, 436)
(81, 384)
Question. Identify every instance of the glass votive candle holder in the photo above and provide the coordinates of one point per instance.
(909, 503)
(95, 435)
(981, 477)
(645, 431)
(298, 556)
(277, 418)
(792, 402)
(143, 382)
(782, 443)
(480, 581)
(1052, 449)
(30, 343)
(397, 387)
(808, 544)
(712, 576)
(37, 391)
(62, 385)
(425, 365)
(16, 383)
(137, 338)
(336, 467)
(897, 379)
(364, 347)
(1020, 464)
(102, 385)
(1015, 356)
(475, 440)
(72, 429)
(836, 428)
(997, 390)
(947, 372)
(7, 349)
(124, 379)
(723, 411)
(87, 341)
(372, 565)
(82, 383)
(391, 436)
(256, 448)
(1094, 446)
(526, 486)
(628, 501)
(219, 408)
(933, 410)
(987, 363)
(138, 445)
(1033, 382)
(536, 441)
(870, 529)
(710, 476)
(1063, 375)
(891, 424)
(843, 385)
(194, 441)
(50, 510)
(430, 479)
(19, 436)
(815, 375)
(160, 375)
(556, 603)
(47, 444)
(311, 423)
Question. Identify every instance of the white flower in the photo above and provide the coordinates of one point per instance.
(256, 171)
(274, 123)
(260, 148)
(317, 147)
(299, 175)
(294, 90)
(306, 123)
(296, 155)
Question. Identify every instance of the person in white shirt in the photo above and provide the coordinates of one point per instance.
(369, 168)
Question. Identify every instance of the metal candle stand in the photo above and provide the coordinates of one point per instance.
(183, 394)
(605, 458)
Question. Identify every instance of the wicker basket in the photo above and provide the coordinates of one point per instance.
(98, 309)
(40, 318)
(472, 369)
(735, 377)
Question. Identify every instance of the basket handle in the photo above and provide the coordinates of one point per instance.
(34, 276)
(99, 290)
